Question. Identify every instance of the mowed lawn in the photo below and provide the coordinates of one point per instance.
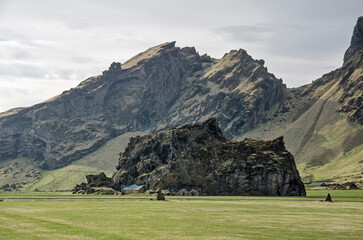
(179, 219)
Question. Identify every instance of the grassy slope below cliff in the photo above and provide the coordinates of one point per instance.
(18, 173)
(102, 160)
(324, 143)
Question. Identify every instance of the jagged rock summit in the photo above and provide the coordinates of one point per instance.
(352, 99)
(198, 157)
(356, 43)
(163, 87)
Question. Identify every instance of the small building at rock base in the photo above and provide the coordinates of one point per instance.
(132, 189)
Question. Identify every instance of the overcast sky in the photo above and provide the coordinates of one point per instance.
(49, 46)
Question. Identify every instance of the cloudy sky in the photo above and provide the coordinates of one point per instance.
(48, 46)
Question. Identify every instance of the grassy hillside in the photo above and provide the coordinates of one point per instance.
(103, 160)
(324, 143)
(347, 168)
(341, 156)
(18, 173)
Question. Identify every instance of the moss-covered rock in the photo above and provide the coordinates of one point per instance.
(198, 157)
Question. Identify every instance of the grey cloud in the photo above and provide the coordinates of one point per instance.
(291, 40)
(17, 53)
(22, 70)
(65, 74)
(27, 40)
(312, 42)
(5, 91)
(14, 97)
(244, 33)
(81, 59)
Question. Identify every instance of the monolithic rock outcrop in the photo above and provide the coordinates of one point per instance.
(164, 87)
(198, 157)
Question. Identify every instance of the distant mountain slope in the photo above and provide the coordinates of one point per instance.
(322, 121)
(164, 87)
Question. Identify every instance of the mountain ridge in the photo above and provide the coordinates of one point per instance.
(150, 93)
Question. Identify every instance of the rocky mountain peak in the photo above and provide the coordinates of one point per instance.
(343, 85)
(161, 88)
(351, 81)
(356, 44)
(149, 54)
(357, 38)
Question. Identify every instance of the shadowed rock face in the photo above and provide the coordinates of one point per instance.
(164, 87)
(199, 157)
(352, 81)
(356, 43)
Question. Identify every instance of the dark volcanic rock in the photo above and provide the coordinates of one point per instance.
(199, 157)
(356, 43)
(352, 80)
(99, 183)
(344, 186)
(328, 198)
(160, 195)
(100, 180)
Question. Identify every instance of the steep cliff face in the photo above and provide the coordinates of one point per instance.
(322, 121)
(164, 87)
(199, 157)
(351, 99)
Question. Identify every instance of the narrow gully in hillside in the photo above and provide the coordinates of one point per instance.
(310, 132)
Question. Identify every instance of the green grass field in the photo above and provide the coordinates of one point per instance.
(64, 216)
(312, 195)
